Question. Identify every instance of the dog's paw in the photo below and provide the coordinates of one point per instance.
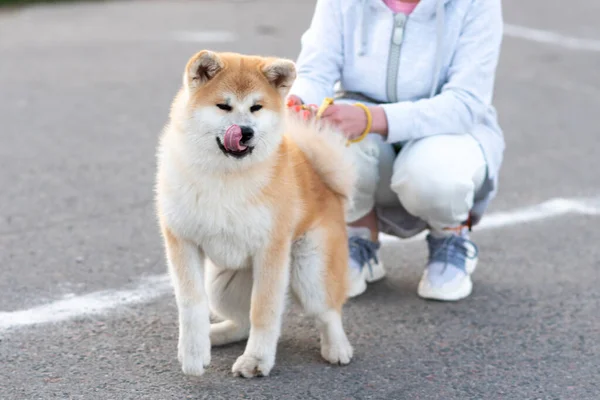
(194, 355)
(337, 352)
(250, 366)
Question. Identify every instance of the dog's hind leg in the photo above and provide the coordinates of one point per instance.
(229, 294)
(318, 280)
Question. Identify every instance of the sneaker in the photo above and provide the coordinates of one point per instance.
(364, 264)
(452, 260)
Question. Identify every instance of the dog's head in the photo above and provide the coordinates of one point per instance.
(233, 106)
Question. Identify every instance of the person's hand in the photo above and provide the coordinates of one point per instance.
(293, 100)
(296, 104)
(350, 119)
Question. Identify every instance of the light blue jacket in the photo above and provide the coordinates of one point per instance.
(433, 71)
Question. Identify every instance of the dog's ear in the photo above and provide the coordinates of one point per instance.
(281, 74)
(201, 68)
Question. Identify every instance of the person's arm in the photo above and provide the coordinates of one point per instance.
(468, 91)
(320, 61)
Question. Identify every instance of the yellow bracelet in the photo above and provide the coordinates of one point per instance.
(327, 101)
(369, 124)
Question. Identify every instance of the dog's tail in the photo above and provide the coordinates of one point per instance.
(325, 148)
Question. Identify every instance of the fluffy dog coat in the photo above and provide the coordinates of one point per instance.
(243, 228)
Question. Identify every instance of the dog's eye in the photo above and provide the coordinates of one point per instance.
(225, 107)
(255, 108)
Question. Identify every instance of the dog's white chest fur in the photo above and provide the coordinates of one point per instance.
(221, 220)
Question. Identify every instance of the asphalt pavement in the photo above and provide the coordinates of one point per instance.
(84, 92)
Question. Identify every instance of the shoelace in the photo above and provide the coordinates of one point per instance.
(450, 249)
(363, 251)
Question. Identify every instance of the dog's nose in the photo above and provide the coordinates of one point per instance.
(247, 133)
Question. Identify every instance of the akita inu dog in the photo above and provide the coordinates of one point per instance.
(251, 204)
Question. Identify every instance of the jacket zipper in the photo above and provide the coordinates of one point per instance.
(394, 57)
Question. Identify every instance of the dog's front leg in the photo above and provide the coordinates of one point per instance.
(186, 267)
(270, 283)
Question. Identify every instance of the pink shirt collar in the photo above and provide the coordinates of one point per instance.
(400, 6)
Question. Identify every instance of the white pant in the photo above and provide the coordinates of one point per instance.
(434, 178)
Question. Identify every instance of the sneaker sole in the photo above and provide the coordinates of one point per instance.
(378, 273)
(463, 291)
(357, 287)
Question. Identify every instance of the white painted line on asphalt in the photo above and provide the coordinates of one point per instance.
(548, 209)
(156, 286)
(552, 38)
(88, 304)
(204, 36)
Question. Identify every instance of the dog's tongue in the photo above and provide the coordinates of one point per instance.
(232, 139)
